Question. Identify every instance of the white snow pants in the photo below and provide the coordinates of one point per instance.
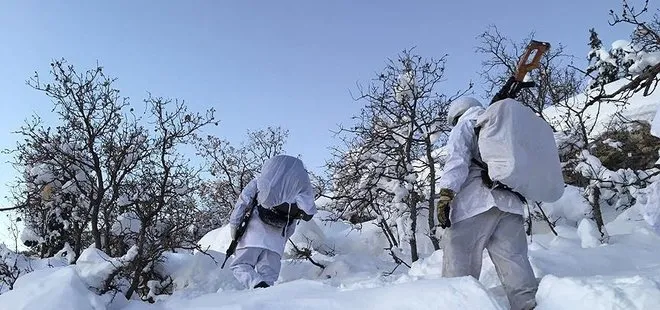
(503, 235)
(253, 265)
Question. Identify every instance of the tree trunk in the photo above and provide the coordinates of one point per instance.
(386, 228)
(414, 256)
(138, 262)
(136, 277)
(96, 234)
(596, 211)
(98, 194)
(431, 201)
(107, 234)
(77, 248)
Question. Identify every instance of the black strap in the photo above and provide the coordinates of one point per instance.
(488, 182)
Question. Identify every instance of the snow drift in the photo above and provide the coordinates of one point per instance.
(623, 274)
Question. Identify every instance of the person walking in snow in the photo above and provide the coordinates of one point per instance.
(279, 196)
(476, 217)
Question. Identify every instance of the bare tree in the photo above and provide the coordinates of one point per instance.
(162, 189)
(556, 81)
(647, 37)
(387, 169)
(101, 177)
(321, 184)
(79, 163)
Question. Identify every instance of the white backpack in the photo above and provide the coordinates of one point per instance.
(520, 151)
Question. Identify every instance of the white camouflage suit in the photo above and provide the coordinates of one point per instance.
(482, 218)
(282, 179)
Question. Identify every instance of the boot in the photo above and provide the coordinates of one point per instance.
(261, 284)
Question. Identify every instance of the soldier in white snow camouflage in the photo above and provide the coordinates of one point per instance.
(476, 217)
(284, 194)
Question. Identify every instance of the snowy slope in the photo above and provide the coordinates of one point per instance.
(637, 107)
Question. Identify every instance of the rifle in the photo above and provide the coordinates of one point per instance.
(242, 227)
(516, 83)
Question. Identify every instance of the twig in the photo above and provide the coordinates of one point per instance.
(393, 270)
(552, 226)
(529, 221)
(306, 254)
(11, 208)
(397, 259)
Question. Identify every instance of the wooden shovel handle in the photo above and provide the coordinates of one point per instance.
(525, 64)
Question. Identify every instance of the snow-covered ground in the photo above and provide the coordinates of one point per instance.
(573, 274)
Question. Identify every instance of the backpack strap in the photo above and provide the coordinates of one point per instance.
(488, 182)
(482, 165)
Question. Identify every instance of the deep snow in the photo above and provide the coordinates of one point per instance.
(623, 274)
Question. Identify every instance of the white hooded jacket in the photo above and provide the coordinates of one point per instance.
(282, 179)
(463, 177)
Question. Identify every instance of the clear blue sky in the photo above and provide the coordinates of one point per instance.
(260, 63)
